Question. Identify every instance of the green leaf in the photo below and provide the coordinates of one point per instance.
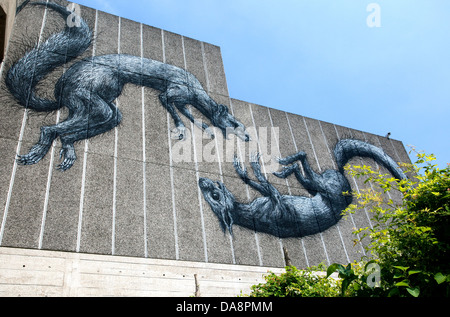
(403, 283)
(413, 272)
(333, 268)
(398, 275)
(440, 278)
(403, 268)
(393, 292)
(414, 291)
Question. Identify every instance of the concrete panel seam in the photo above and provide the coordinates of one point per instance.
(144, 158)
(174, 210)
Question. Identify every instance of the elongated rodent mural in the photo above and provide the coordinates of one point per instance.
(89, 87)
(154, 156)
(288, 216)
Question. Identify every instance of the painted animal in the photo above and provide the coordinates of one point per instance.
(90, 86)
(287, 216)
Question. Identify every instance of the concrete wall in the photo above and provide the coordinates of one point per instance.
(31, 273)
(134, 190)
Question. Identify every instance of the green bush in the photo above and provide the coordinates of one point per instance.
(296, 283)
(409, 243)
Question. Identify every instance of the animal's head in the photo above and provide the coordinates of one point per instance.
(221, 201)
(223, 120)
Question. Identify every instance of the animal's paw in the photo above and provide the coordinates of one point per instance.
(291, 159)
(37, 152)
(287, 170)
(242, 171)
(69, 158)
(178, 133)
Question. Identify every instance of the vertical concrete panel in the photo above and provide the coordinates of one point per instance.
(22, 217)
(191, 235)
(245, 241)
(12, 113)
(313, 245)
(129, 212)
(271, 246)
(106, 43)
(129, 217)
(190, 225)
(345, 225)
(216, 74)
(161, 223)
(152, 43)
(208, 151)
(208, 158)
(129, 140)
(161, 234)
(286, 147)
(361, 219)
(60, 223)
(194, 60)
(97, 214)
(331, 237)
(219, 245)
(156, 134)
(173, 49)
(7, 155)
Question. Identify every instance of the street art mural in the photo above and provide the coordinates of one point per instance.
(155, 182)
(89, 87)
(293, 216)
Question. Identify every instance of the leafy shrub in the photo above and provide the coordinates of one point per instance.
(409, 242)
(296, 283)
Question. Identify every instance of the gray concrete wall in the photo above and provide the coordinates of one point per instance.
(34, 273)
(129, 192)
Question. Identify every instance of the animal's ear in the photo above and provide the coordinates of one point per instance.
(221, 186)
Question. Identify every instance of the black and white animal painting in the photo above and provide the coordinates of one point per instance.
(89, 88)
(287, 216)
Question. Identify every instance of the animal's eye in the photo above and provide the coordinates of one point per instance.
(215, 196)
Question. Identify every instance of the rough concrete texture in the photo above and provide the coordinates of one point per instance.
(34, 273)
(133, 191)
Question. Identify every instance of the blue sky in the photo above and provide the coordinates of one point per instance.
(320, 59)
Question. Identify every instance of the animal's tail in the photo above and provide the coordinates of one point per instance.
(57, 50)
(348, 148)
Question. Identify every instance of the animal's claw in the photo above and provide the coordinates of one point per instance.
(69, 158)
(36, 154)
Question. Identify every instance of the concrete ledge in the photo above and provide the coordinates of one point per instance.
(40, 273)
